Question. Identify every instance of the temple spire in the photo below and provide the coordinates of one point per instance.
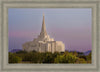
(43, 30)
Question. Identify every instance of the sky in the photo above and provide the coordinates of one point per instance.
(72, 26)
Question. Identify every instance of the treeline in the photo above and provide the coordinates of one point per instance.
(48, 57)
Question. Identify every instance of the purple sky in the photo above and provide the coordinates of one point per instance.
(70, 25)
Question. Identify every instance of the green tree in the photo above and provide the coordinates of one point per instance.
(55, 54)
(36, 57)
(48, 58)
(14, 59)
(69, 58)
(89, 58)
(75, 53)
(83, 56)
(66, 52)
(81, 60)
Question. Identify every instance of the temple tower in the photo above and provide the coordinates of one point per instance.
(43, 32)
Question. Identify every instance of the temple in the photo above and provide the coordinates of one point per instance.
(43, 43)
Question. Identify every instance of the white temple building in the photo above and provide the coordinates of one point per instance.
(43, 43)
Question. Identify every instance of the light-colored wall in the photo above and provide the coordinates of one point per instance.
(60, 47)
(51, 46)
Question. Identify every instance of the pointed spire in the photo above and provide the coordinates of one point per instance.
(43, 30)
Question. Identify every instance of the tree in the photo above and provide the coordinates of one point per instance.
(88, 58)
(83, 56)
(54, 55)
(14, 59)
(36, 57)
(69, 58)
(75, 53)
(66, 52)
(48, 58)
(81, 60)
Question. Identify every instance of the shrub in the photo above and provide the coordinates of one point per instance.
(48, 58)
(14, 59)
(69, 58)
(81, 60)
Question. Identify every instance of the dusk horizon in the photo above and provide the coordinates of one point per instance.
(72, 26)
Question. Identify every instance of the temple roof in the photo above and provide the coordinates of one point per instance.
(43, 29)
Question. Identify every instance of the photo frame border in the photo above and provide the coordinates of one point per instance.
(4, 5)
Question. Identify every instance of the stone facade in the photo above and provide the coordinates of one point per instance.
(43, 43)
